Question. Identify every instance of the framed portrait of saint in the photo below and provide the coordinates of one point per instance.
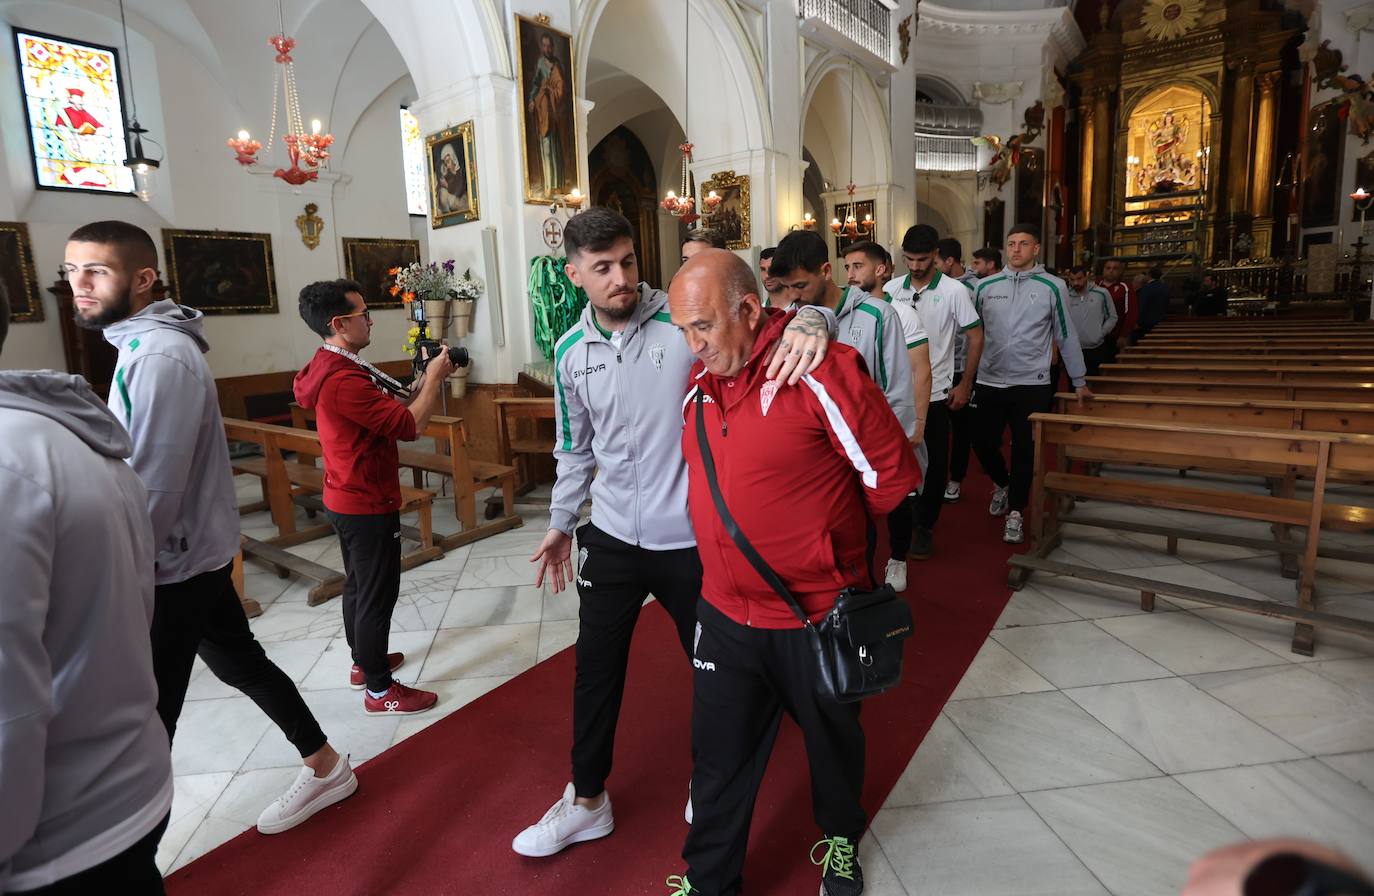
(369, 260)
(548, 123)
(452, 159)
(18, 278)
(221, 271)
(731, 217)
(1321, 181)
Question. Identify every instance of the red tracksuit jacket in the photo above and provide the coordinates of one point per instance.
(359, 426)
(802, 469)
(1123, 297)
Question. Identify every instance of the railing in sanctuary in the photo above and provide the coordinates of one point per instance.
(867, 23)
(1282, 282)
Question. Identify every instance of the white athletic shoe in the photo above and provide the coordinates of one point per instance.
(687, 813)
(1013, 532)
(563, 825)
(896, 574)
(998, 505)
(308, 795)
(952, 492)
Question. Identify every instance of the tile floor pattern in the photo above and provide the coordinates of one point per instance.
(1090, 748)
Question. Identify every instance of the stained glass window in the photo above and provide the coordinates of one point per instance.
(76, 114)
(413, 157)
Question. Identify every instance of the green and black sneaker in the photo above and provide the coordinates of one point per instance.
(840, 871)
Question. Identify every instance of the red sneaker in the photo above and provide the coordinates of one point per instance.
(399, 700)
(357, 681)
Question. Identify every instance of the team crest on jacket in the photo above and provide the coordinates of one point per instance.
(656, 355)
(766, 394)
(856, 334)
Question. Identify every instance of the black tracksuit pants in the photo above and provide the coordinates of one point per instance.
(899, 523)
(203, 615)
(999, 408)
(745, 679)
(613, 579)
(132, 872)
(371, 548)
(932, 497)
(960, 439)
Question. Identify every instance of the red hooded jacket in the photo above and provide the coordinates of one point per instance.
(1123, 297)
(803, 469)
(359, 426)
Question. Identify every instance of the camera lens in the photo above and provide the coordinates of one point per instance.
(459, 356)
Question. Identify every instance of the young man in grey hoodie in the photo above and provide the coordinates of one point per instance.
(621, 374)
(1024, 316)
(85, 773)
(164, 394)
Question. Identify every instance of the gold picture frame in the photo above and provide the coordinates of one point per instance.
(221, 271)
(18, 277)
(731, 217)
(368, 260)
(451, 159)
(557, 111)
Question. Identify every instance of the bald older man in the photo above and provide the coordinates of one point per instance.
(836, 459)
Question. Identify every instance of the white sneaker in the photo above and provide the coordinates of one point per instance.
(308, 795)
(896, 575)
(1013, 532)
(951, 492)
(998, 505)
(687, 813)
(563, 825)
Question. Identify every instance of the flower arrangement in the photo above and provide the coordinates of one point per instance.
(409, 346)
(434, 282)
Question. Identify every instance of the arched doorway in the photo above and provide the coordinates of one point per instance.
(622, 178)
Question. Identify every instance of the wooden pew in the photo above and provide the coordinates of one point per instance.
(291, 481)
(1255, 373)
(1266, 349)
(1314, 455)
(1357, 393)
(517, 451)
(1245, 358)
(452, 461)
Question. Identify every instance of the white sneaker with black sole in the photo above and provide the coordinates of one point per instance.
(563, 825)
(308, 795)
(952, 493)
(896, 574)
(999, 503)
(1014, 531)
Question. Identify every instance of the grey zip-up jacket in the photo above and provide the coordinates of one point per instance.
(85, 771)
(871, 327)
(618, 414)
(1022, 312)
(1093, 314)
(164, 394)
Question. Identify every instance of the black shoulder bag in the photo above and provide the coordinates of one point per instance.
(858, 645)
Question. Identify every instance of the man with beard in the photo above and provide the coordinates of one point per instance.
(620, 377)
(868, 267)
(164, 394)
(545, 102)
(771, 287)
(1124, 298)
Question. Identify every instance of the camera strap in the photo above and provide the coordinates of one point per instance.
(381, 380)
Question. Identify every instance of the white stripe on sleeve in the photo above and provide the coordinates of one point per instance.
(843, 432)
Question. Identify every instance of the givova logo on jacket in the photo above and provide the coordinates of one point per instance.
(595, 368)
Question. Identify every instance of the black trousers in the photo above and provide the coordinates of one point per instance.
(133, 872)
(960, 438)
(932, 497)
(745, 679)
(1094, 358)
(613, 579)
(998, 409)
(202, 615)
(371, 549)
(899, 523)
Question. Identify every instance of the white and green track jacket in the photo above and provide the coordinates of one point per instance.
(1023, 312)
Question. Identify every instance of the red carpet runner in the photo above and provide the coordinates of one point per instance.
(436, 813)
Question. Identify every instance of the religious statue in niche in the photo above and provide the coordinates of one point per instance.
(1006, 158)
(1356, 102)
(311, 226)
(1172, 168)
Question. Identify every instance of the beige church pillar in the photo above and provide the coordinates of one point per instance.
(1085, 189)
(1263, 184)
(1101, 217)
(1241, 137)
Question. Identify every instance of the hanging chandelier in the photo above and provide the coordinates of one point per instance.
(683, 204)
(307, 151)
(852, 226)
(143, 166)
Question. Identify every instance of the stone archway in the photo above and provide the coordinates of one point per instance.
(622, 178)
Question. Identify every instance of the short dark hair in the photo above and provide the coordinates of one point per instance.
(767, 253)
(987, 253)
(1156, 272)
(920, 238)
(595, 230)
(4, 314)
(132, 243)
(951, 248)
(713, 238)
(1079, 267)
(1028, 229)
(1112, 258)
(804, 249)
(871, 249)
(324, 300)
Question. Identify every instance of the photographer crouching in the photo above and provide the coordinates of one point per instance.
(361, 414)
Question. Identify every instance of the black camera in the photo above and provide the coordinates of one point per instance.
(427, 350)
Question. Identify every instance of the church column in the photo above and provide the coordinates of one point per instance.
(1087, 124)
(1262, 186)
(1101, 218)
(1241, 137)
